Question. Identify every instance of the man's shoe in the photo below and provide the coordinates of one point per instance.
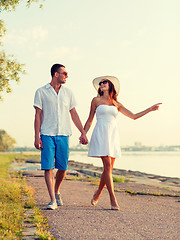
(58, 199)
(52, 205)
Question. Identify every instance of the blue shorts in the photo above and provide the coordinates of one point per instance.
(55, 152)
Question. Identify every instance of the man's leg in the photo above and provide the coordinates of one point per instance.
(61, 159)
(59, 178)
(49, 178)
(47, 164)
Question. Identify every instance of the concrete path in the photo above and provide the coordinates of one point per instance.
(141, 217)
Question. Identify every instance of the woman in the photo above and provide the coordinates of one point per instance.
(105, 140)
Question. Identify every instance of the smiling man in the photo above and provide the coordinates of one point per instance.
(54, 104)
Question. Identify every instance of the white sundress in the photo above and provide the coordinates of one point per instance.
(105, 138)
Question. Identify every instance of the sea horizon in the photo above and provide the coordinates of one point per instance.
(163, 163)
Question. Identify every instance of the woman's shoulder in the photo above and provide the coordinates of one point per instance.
(95, 100)
(117, 104)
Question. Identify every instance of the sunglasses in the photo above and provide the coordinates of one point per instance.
(65, 73)
(104, 82)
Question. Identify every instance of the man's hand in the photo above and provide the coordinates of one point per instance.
(83, 139)
(38, 143)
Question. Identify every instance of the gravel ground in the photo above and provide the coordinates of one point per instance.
(141, 217)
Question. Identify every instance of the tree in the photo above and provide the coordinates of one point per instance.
(6, 142)
(10, 68)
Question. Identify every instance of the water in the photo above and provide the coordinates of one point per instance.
(21, 166)
(159, 163)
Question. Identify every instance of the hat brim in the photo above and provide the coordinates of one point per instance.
(114, 80)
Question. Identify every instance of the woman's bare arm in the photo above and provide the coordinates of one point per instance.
(91, 115)
(135, 116)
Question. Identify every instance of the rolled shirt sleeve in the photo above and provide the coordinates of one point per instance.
(37, 99)
(72, 101)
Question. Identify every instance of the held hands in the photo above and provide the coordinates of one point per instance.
(83, 139)
(155, 107)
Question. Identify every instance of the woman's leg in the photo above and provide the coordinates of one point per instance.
(102, 183)
(106, 179)
(108, 163)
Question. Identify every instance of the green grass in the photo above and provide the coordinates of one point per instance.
(152, 194)
(11, 209)
(80, 178)
(95, 180)
(5, 162)
(118, 179)
(121, 179)
(12, 206)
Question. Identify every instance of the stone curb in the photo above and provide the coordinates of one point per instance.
(29, 230)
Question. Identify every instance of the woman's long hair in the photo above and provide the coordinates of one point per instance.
(112, 91)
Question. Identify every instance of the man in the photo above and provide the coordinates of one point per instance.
(53, 103)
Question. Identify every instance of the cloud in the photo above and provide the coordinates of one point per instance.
(140, 32)
(33, 35)
(39, 33)
(127, 43)
(72, 53)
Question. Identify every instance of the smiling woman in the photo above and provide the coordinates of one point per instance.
(105, 142)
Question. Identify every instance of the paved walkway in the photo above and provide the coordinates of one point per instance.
(141, 217)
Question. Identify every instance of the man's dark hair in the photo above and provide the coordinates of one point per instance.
(55, 68)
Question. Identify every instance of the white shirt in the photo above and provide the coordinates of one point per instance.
(55, 110)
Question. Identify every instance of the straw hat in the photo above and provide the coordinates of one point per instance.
(114, 80)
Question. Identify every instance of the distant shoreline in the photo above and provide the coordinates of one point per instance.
(85, 169)
(123, 149)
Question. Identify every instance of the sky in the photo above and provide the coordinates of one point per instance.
(136, 41)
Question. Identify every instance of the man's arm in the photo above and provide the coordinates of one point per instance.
(76, 120)
(37, 126)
